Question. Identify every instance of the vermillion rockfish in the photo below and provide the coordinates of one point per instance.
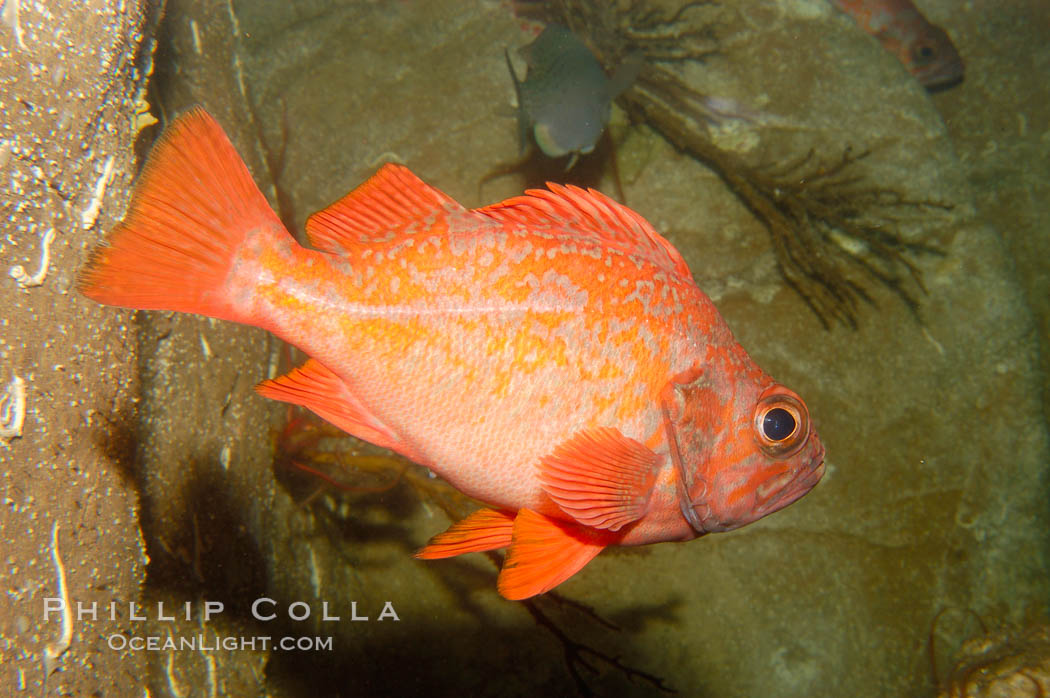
(549, 355)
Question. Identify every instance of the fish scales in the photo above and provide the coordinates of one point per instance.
(524, 328)
(549, 355)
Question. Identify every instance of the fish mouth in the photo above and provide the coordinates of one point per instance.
(788, 488)
(940, 83)
(772, 495)
(941, 76)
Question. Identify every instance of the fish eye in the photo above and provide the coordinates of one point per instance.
(781, 423)
(924, 54)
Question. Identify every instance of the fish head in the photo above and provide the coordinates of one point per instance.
(933, 59)
(573, 129)
(743, 448)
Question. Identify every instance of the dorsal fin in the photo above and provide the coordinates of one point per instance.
(393, 201)
(591, 213)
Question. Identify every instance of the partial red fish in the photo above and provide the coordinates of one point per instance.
(549, 355)
(924, 49)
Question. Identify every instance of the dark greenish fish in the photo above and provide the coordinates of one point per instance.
(565, 98)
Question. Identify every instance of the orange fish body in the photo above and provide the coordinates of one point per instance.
(549, 355)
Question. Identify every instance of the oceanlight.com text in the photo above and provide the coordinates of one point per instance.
(202, 643)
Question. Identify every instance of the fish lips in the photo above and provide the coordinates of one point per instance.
(773, 494)
(788, 488)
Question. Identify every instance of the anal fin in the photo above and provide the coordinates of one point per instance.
(485, 529)
(319, 390)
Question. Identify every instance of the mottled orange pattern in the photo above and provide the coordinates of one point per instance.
(549, 355)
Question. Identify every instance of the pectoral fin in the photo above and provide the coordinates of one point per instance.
(600, 478)
(523, 117)
(485, 529)
(544, 552)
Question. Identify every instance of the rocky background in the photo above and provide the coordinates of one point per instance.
(72, 77)
(146, 454)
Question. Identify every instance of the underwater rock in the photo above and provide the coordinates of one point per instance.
(1004, 664)
(72, 78)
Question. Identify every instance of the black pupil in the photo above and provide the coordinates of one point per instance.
(778, 424)
(924, 54)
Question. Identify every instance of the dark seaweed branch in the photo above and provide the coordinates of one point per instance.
(616, 29)
(319, 450)
(665, 38)
(831, 229)
(577, 654)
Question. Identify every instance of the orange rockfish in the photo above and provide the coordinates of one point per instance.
(549, 355)
(924, 48)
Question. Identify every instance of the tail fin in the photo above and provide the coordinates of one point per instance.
(192, 207)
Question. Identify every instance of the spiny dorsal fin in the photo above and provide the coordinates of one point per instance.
(391, 202)
(591, 213)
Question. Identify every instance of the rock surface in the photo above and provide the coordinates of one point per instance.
(71, 75)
